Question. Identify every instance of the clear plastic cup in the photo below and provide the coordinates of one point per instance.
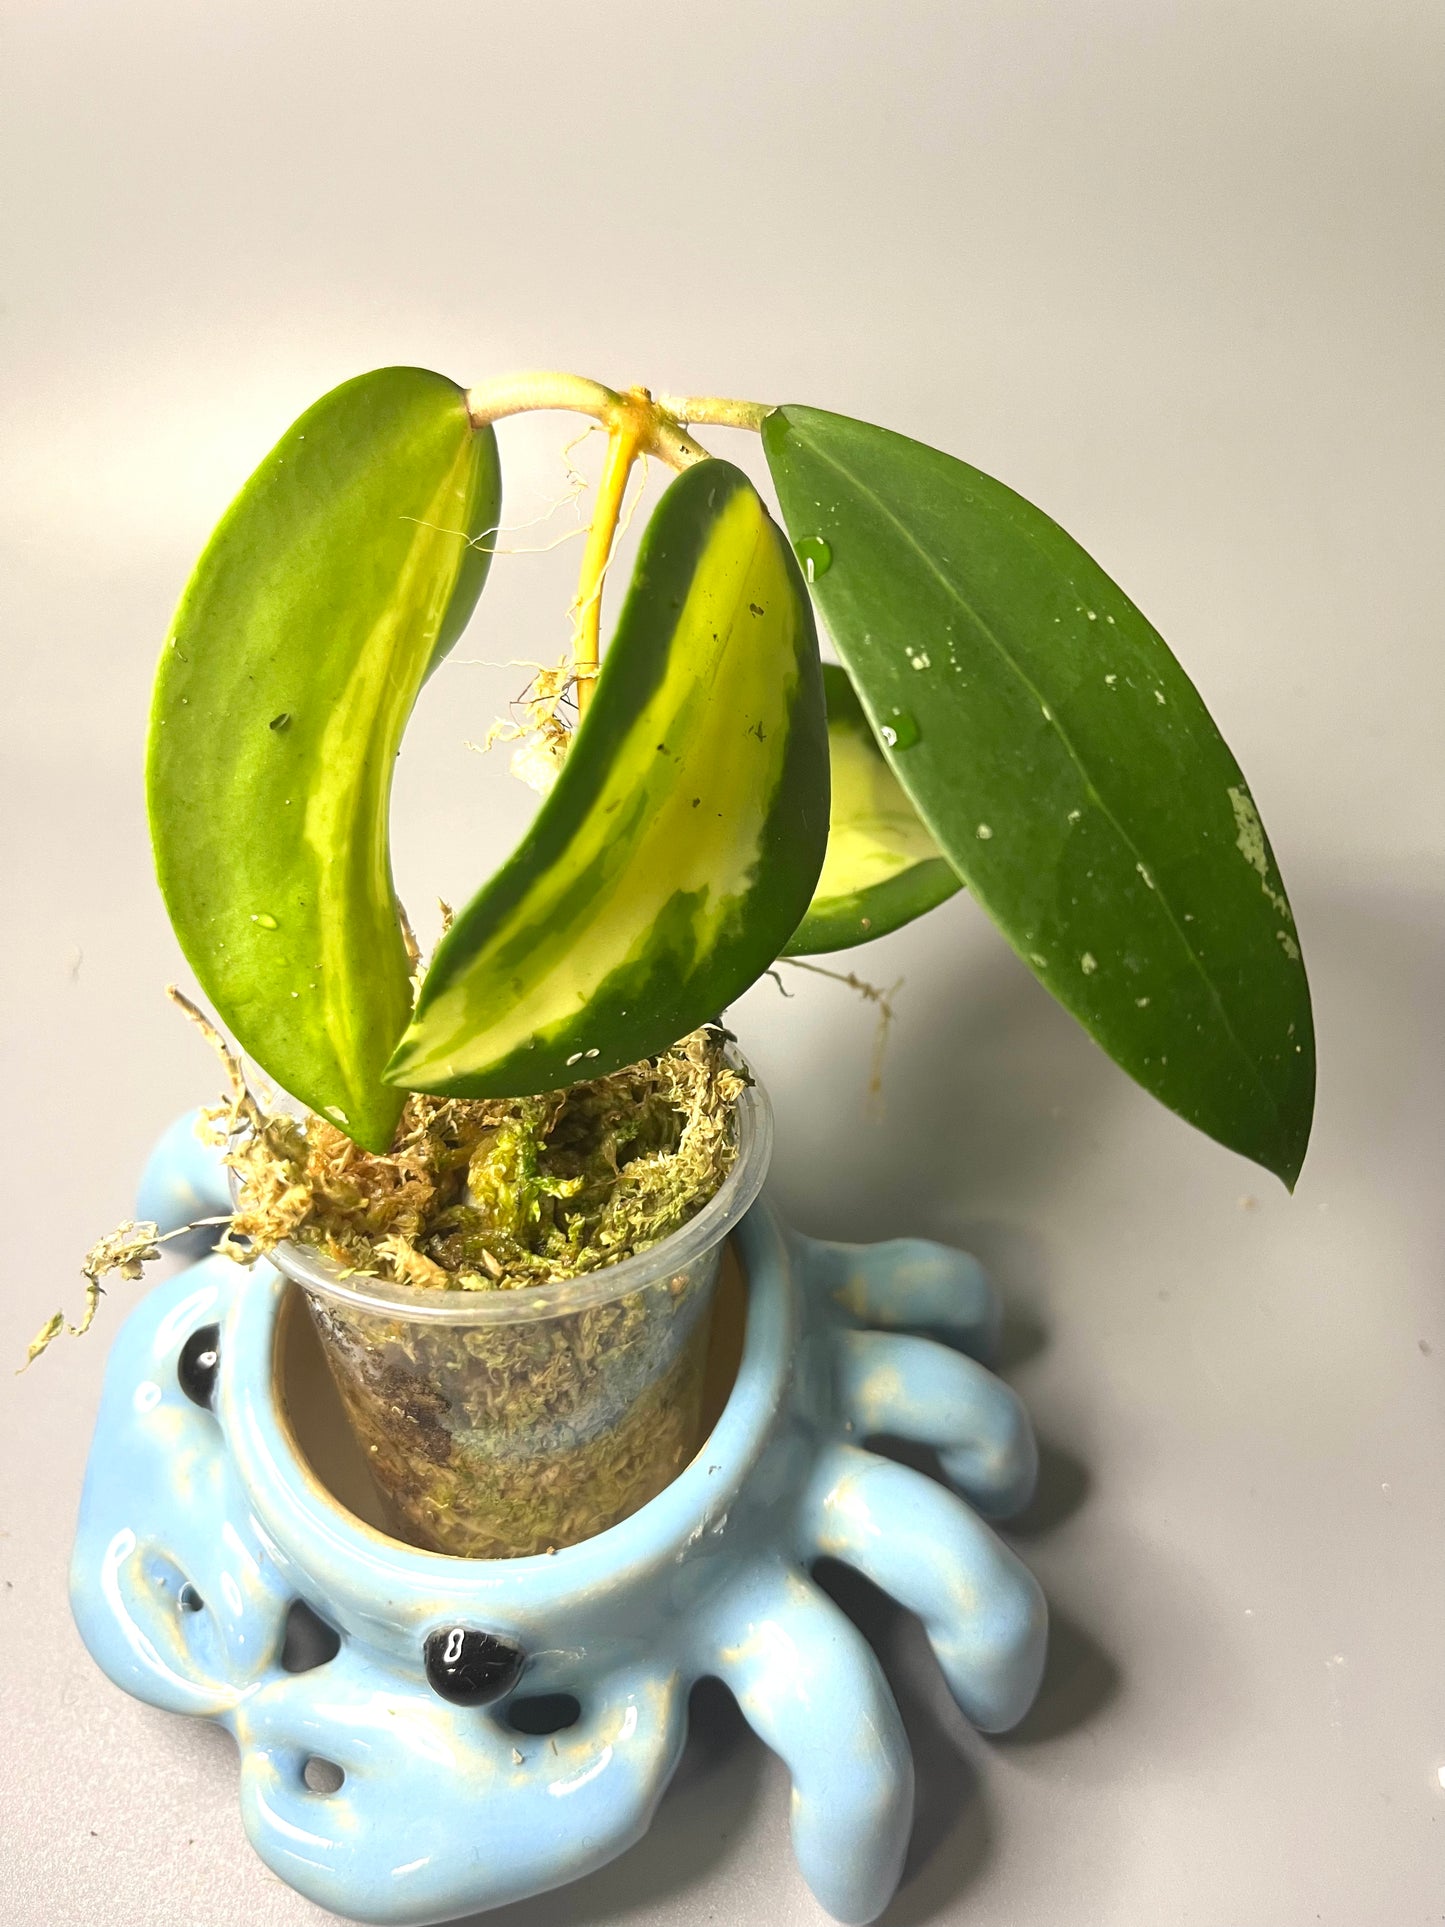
(499, 1423)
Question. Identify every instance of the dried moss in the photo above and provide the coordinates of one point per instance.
(498, 1441)
(488, 1194)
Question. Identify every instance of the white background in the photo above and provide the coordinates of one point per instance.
(1175, 272)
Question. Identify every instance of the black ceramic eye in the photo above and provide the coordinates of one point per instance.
(471, 1668)
(200, 1361)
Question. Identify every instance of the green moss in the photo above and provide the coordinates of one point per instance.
(494, 1442)
(489, 1194)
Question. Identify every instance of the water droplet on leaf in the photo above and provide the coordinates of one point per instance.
(814, 554)
(900, 729)
(265, 919)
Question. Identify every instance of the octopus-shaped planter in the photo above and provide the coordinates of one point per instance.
(403, 1779)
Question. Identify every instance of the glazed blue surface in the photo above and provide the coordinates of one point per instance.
(200, 1528)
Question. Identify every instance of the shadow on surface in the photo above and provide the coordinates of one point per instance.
(995, 1098)
(1063, 1486)
(1080, 1680)
(1063, 1483)
(949, 1806)
(987, 1097)
(953, 1837)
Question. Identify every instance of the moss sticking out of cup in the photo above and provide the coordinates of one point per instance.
(496, 1194)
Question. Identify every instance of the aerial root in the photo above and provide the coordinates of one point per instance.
(871, 994)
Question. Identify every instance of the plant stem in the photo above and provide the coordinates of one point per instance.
(716, 411)
(636, 425)
(657, 431)
(622, 451)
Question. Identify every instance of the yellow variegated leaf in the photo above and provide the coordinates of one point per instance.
(343, 571)
(882, 868)
(680, 846)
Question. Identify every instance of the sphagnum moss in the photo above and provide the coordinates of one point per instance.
(489, 1194)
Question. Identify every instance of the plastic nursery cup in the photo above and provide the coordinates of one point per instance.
(499, 1423)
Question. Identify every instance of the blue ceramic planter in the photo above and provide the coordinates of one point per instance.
(203, 1523)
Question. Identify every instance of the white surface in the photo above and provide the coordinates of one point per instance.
(1174, 272)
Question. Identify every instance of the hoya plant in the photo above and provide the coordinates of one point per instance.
(1001, 719)
(551, 1097)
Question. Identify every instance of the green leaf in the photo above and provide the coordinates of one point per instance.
(1066, 766)
(341, 573)
(882, 868)
(679, 848)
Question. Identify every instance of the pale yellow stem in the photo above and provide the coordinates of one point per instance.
(657, 432)
(622, 452)
(716, 411)
(636, 425)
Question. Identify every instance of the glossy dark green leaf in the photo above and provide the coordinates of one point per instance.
(1066, 766)
(347, 565)
(680, 846)
(882, 868)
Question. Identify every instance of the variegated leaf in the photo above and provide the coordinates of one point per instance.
(343, 571)
(680, 846)
(882, 868)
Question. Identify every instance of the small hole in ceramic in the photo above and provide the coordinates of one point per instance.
(190, 1600)
(541, 1713)
(308, 1641)
(322, 1776)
